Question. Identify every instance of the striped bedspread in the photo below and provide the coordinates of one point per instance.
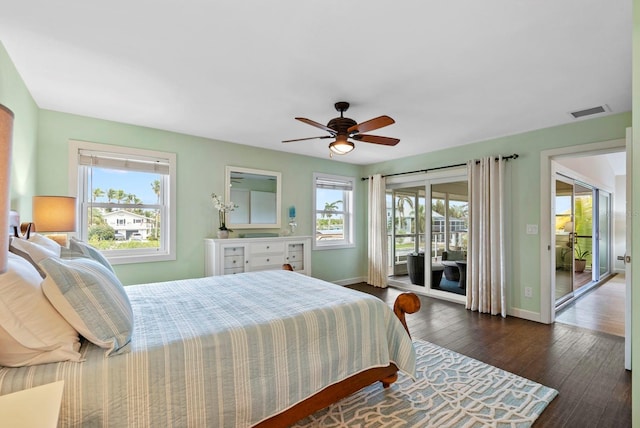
(226, 351)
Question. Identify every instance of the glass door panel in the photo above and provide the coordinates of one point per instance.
(449, 236)
(604, 228)
(583, 235)
(406, 211)
(564, 227)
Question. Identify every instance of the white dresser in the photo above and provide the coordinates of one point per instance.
(229, 256)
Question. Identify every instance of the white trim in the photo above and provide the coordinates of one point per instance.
(524, 314)
(351, 281)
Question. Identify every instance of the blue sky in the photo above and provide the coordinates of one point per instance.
(131, 182)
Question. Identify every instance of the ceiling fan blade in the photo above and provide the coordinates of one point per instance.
(317, 125)
(376, 139)
(372, 124)
(309, 138)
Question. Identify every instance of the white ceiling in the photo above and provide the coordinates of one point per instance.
(449, 72)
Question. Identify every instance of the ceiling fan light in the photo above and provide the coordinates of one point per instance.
(341, 146)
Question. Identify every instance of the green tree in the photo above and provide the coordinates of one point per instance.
(329, 209)
(120, 196)
(155, 186)
(101, 232)
(97, 193)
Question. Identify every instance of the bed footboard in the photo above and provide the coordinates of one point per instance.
(406, 303)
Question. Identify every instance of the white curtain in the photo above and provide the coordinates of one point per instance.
(486, 255)
(377, 251)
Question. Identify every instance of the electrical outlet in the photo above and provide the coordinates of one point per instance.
(532, 229)
(528, 292)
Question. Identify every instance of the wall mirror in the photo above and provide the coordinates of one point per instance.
(257, 194)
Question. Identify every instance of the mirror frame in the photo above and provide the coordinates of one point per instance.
(227, 195)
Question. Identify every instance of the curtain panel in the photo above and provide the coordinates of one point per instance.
(486, 256)
(377, 233)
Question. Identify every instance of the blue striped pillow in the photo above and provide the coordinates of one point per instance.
(92, 299)
(89, 251)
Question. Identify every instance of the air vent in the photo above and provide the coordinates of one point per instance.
(590, 111)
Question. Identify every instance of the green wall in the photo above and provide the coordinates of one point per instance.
(14, 95)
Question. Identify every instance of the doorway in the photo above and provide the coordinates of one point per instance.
(588, 223)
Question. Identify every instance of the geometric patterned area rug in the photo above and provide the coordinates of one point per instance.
(451, 390)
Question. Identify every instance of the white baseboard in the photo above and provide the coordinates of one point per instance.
(350, 281)
(524, 314)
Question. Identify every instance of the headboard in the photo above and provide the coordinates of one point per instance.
(6, 133)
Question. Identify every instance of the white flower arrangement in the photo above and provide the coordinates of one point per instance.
(223, 208)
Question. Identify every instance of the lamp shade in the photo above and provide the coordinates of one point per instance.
(54, 213)
(6, 132)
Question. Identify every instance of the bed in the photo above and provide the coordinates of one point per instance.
(253, 349)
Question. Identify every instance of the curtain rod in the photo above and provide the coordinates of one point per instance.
(505, 158)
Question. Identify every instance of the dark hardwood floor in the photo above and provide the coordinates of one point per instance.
(585, 366)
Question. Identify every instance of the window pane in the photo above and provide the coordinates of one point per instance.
(124, 187)
(329, 227)
(112, 227)
(449, 217)
(329, 200)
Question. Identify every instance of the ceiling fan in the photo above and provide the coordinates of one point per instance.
(343, 128)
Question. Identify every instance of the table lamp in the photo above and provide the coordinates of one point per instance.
(55, 214)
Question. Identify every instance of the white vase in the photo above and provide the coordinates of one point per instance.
(223, 234)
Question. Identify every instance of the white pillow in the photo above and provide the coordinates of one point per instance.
(31, 330)
(36, 251)
(47, 243)
(92, 299)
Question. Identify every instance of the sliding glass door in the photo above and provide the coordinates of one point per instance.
(582, 236)
(430, 260)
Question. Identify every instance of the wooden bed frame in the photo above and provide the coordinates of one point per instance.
(406, 303)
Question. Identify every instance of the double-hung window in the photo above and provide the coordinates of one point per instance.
(333, 201)
(126, 201)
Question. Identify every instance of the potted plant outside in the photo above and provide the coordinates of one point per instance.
(580, 258)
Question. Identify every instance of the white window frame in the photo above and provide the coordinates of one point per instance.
(77, 187)
(349, 213)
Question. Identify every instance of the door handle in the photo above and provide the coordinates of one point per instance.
(626, 259)
(621, 258)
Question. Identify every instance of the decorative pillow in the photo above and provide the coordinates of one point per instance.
(45, 242)
(31, 330)
(89, 251)
(92, 299)
(32, 252)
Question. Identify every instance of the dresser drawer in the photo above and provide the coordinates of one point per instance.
(299, 265)
(234, 262)
(267, 247)
(262, 262)
(295, 256)
(233, 251)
